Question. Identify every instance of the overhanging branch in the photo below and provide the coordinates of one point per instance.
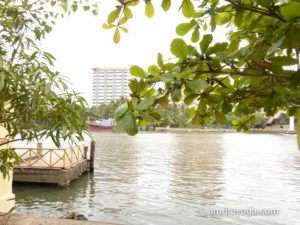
(281, 76)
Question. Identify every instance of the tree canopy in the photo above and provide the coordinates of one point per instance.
(35, 100)
(254, 68)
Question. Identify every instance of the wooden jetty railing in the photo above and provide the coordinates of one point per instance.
(50, 157)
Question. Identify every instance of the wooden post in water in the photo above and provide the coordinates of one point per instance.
(92, 155)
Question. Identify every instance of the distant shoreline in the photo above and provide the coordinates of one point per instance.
(266, 130)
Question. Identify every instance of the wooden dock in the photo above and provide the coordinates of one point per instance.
(52, 165)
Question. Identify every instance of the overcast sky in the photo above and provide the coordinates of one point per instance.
(79, 42)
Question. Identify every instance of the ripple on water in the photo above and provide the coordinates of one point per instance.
(164, 178)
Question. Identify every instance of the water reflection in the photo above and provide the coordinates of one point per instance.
(260, 172)
(54, 201)
(164, 178)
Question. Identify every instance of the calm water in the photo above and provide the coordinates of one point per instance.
(167, 178)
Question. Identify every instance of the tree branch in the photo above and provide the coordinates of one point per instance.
(22, 139)
(256, 9)
(246, 74)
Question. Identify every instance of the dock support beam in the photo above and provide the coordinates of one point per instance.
(92, 156)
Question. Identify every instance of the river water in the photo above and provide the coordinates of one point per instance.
(180, 178)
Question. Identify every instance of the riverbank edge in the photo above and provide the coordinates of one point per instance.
(175, 130)
(17, 219)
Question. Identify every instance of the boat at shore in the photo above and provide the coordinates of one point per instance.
(94, 126)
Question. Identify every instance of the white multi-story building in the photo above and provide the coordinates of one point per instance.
(109, 84)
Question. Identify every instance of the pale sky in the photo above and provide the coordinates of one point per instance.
(79, 42)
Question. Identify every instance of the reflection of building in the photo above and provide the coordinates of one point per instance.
(109, 84)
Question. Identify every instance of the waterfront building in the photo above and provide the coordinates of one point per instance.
(109, 84)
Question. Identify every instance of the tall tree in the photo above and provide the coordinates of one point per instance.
(35, 102)
(253, 69)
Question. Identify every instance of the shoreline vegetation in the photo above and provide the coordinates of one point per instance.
(177, 116)
(223, 130)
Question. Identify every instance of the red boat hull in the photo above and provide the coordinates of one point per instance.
(101, 128)
(98, 127)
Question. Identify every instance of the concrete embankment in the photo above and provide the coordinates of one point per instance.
(14, 219)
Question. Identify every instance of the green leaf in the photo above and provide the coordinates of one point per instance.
(290, 11)
(2, 79)
(206, 40)
(160, 61)
(86, 7)
(145, 103)
(74, 7)
(131, 127)
(183, 28)
(220, 117)
(184, 73)
(179, 48)
(149, 9)
(295, 79)
(114, 15)
(218, 47)
(226, 107)
(192, 111)
(95, 12)
(188, 8)
(283, 60)
(166, 4)
(109, 26)
(291, 111)
(121, 110)
(127, 123)
(168, 77)
(163, 101)
(265, 3)
(195, 35)
(133, 3)
(223, 18)
(142, 123)
(137, 72)
(213, 98)
(196, 85)
(127, 12)
(176, 93)
(233, 46)
(148, 117)
(276, 44)
(117, 36)
(254, 23)
(124, 29)
(169, 66)
(155, 115)
(212, 22)
(202, 107)
(154, 70)
(238, 19)
(190, 99)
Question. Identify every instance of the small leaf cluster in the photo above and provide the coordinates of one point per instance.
(122, 13)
